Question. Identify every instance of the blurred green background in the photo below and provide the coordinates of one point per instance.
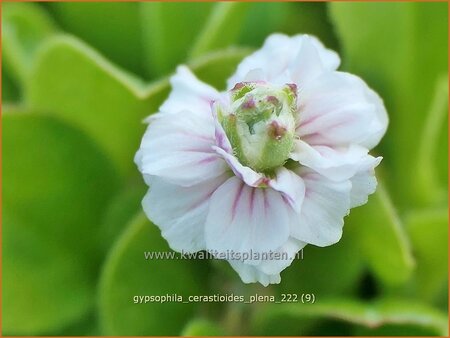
(77, 80)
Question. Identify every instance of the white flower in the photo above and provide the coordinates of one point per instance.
(270, 165)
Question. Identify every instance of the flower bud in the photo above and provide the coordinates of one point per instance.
(260, 124)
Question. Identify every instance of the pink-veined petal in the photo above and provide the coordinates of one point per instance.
(180, 212)
(338, 109)
(179, 149)
(290, 185)
(222, 140)
(243, 218)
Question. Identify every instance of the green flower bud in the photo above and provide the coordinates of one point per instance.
(260, 124)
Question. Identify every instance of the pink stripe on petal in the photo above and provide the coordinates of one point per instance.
(252, 201)
(236, 201)
(207, 160)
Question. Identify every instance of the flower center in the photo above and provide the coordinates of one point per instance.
(260, 124)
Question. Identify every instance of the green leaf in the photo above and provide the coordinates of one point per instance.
(169, 30)
(342, 266)
(127, 274)
(402, 61)
(55, 187)
(119, 211)
(428, 187)
(221, 29)
(92, 94)
(200, 327)
(310, 18)
(428, 230)
(86, 326)
(10, 89)
(381, 238)
(24, 27)
(272, 14)
(388, 313)
(117, 32)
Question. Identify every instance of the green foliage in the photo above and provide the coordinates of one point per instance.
(24, 27)
(92, 94)
(428, 230)
(202, 327)
(50, 170)
(307, 275)
(78, 80)
(381, 238)
(113, 28)
(221, 29)
(10, 90)
(127, 274)
(169, 31)
(432, 152)
(388, 314)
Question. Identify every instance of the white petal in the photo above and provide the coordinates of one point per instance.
(179, 149)
(338, 109)
(189, 93)
(255, 75)
(287, 252)
(222, 140)
(180, 212)
(311, 61)
(251, 274)
(282, 56)
(246, 174)
(291, 186)
(329, 58)
(337, 164)
(243, 218)
(324, 207)
(364, 183)
(268, 271)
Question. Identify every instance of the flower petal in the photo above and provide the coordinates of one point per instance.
(287, 253)
(324, 207)
(179, 149)
(251, 274)
(338, 109)
(337, 164)
(243, 218)
(291, 186)
(268, 270)
(364, 183)
(180, 212)
(282, 55)
(246, 174)
(222, 140)
(189, 93)
(311, 61)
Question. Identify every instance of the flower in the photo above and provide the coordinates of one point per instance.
(270, 165)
